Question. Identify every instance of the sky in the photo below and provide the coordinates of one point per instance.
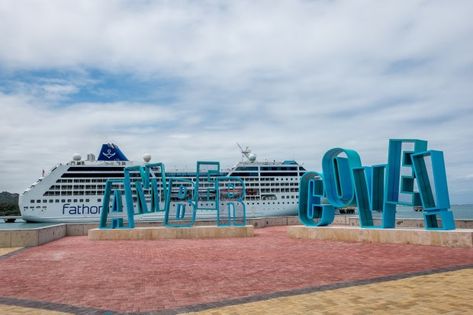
(187, 80)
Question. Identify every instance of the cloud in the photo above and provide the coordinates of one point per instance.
(185, 80)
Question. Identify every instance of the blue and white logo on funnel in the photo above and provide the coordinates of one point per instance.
(111, 152)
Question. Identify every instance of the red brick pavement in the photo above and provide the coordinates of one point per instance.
(156, 275)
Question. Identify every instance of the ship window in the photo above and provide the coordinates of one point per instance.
(44, 200)
(81, 200)
(50, 200)
(75, 200)
(63, 200)
(32, 201)
(87, 200)
(99, 200)
(57, 200)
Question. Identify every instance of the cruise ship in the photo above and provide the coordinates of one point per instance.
(73, 192)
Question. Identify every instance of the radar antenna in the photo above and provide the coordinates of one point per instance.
(247, 153)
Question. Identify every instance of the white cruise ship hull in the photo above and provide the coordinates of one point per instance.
(81, 213)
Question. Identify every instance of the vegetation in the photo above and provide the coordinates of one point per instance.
(9, 204)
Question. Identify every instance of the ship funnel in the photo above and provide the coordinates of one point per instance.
(111, 152)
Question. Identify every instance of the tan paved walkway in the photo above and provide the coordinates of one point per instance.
(7, 250)
(17, 310)
(449, 292)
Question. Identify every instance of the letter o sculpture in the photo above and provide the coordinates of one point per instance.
(338, 176)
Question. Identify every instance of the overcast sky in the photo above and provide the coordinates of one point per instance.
(186, 80)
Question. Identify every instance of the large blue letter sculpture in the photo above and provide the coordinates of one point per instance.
(183, 211)
(147, 190)
(414, 176)
(313, 211)
(230, 206)
(113, 187)
(433, 189)
(206, 185)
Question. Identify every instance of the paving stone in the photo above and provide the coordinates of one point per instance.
(18, 310)
(142, 276)
(441, 293)
(8, 250)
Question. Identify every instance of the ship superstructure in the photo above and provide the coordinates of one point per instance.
(73, 192)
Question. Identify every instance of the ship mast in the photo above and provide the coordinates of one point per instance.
(246, 153)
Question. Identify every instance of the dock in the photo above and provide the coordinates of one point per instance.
(10, 218)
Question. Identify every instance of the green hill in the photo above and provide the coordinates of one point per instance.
(9, 204)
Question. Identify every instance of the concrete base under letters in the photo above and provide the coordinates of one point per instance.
(160, 232)
(451, 238)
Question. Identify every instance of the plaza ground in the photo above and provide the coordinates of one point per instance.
(268, 274)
